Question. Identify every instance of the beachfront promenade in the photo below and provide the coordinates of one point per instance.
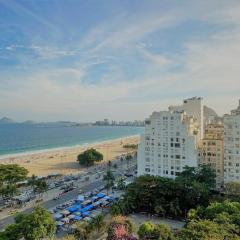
(85, 186)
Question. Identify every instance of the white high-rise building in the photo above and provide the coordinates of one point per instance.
(232, 146)
(169, 144)
(193, 107)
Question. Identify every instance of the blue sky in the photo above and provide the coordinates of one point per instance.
(87, 60)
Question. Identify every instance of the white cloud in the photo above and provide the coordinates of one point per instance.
(209, 67)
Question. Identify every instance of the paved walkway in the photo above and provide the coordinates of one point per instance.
(139, 218)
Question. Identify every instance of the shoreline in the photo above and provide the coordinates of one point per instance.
(55, 149)
(64, 160)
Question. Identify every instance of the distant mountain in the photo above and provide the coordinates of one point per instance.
(29, 122)
(6, 120)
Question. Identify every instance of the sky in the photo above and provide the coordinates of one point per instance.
(82, 61)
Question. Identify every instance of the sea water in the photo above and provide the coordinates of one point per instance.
(24, 138)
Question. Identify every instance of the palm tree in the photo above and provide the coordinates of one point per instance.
(99, 223)
(41, 187)
(32, 181)
(121, 184)
(109, 179)
(82, 231)
(128, 158)
(109, 165)
(121, 159)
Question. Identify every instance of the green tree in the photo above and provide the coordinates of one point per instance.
(204, 230)
(82, 231)
(32, 181)
(33, 226)
(128, 159)
(149, 230)
(89, 157)
(8, 190)
(41, 187)
(109, 180)
(118, 208)
(12, 173)
(98, 223)
(109, 164)
(131, 146)
(121, 160)
(207, 176)
(11, 232)
(37, 225)
(121, 184)
(160, 210)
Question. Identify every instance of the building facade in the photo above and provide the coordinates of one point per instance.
(193, 107)
(232, 146)
(211, 151)
(168, 144)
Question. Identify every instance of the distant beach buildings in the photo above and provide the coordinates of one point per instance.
(191, 135)
(106, 122)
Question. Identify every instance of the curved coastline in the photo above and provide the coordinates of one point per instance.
(56, 149)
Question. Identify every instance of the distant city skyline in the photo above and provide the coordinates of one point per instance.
(88, 60)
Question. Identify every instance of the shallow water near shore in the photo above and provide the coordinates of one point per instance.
(19, 139)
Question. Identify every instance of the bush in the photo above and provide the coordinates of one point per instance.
(89, 157)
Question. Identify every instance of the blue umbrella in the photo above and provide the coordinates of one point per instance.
(77, 218)
(73, 208)
(85, 214)
(100, 195)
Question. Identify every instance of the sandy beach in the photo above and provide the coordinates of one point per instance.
(63, 161)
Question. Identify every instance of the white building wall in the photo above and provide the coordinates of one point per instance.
(232, 146)
(167, 145)
(141, 156)
(193, 107)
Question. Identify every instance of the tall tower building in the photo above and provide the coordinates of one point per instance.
(232, 146)
(168, 144)
(193, 107)
(211, 151)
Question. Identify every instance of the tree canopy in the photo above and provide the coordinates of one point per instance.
(33, 226)
(170, 197)
(149, 230)
(109, 179)
(12, 173)
(89, 157)
(219, 220)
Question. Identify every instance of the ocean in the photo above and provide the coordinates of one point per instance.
(26, 138)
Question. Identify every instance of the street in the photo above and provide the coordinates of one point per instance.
(85, 187)
(52, 203)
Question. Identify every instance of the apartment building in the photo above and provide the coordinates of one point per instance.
(232, 145)
(193, 107)
(211, 151)
(168, 144)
